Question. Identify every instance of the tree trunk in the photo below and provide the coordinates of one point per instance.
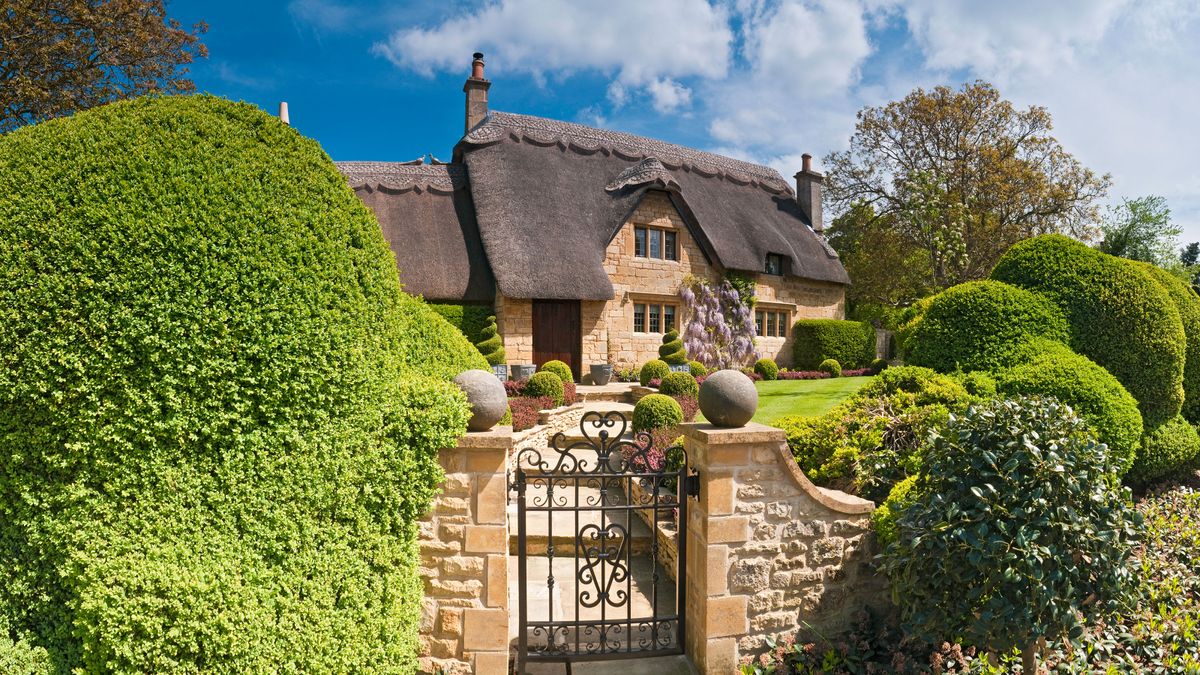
(1029, 658)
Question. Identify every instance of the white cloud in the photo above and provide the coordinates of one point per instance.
(668, 96)
(323, 14)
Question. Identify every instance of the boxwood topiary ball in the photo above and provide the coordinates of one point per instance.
(728, 398)
(486, 395)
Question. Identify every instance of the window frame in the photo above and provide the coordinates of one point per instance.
(772, 323)
(644, 314)
(778, 258)
(646, 238)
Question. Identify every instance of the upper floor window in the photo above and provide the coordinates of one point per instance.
(652, 242)
(774, 264)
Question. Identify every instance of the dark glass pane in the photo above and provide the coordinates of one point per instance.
(783, 322)
(771, 324)
(669, 250)
(655, 316)
(774, 264)
(668, 318)
(639, 242)
(639, 318)
(656, 243)
(758, 321)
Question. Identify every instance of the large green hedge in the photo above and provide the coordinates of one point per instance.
(469, 319)
(219, 414)
(1051, 369)
(1119, 316)
(850, 343)
(977, 325)
(1188, 304)
(1167, 449)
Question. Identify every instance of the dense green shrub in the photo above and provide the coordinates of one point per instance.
(766, 368)
(977, 383)
(219, 415)
(908, 321)
(883, 519)
(977, 325)
(656, 411)
(672, 352)
(559, 368)
(924, 385)
(1166, 450)
(545, 383)
(1018, 524)
(879, 365)
(851, 343)
(697, 369)
(1188, 303)
(679, 384)
(1052, 369)
(654, 369)
(1119, 316)
(831, 366)
(491, 346)
(470, 320)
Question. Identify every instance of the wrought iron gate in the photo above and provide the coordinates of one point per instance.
(606, 496)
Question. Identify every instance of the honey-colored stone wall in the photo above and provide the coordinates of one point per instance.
(464, 560)
(803, 299)
(769, 554)
(514, 320)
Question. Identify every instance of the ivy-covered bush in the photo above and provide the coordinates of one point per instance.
(1166, 449)
(1187, 302)
(766, 368)
(883, 518)
(559, 368)
(492, 345)
(656, 411)
(219, 414)
(697, 369)
(1052, 369)
(545, 383)
(672, 352)
(679, 384)
(1019, 523)
(851, 343)
(654, 369)
(1119, 316)
(830, 366)
(977, 326)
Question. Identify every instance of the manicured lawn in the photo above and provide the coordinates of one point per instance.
(802, 397)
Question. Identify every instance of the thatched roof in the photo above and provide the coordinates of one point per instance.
(428, 219)
(550, 195)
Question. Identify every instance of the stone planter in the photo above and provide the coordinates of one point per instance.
(501, 371)
(601, 373)
(523, 371)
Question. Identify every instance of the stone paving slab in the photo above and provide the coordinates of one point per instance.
(657, 665)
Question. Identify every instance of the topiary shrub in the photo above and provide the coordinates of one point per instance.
(766, 368)
(219, 415)
(976, 326)
(851, 343)
(679, 384)
(1188, 304)
(656, 411)
(832, 367)
(1018, 525)
(697, 369)
(470, 320)
(1166, 450)
(559, 368)
(1052, 369)
(879, 365)
(1119, 316)
(883, 519)
(492, 346)
(672, 352)
(653, 370)
(545, 383)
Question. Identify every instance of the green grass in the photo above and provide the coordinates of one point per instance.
(801, 397)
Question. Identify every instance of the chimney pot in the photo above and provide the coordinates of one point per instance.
(477, 66)
(476, 88)
(808, 193)
(807, 160)
(283, 113)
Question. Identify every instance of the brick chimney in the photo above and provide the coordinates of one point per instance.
(808, 193)
(476, 88)
(283, 113)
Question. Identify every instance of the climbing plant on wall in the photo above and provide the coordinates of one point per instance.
(719, 326)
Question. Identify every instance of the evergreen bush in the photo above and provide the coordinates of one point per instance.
(656, 411)
(766, 368)
(879, 365)
(883, 519)
(1186, 300)
(654, 369)
(697, 369)
(679, 384)
(1166, 450)
(559, 368)
(672, 352)
(850, 343)
(832, 367)
(491, 346)
(545, 383)
(219, 415)
(468, 319)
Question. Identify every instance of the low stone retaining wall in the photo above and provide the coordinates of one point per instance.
(564, 420)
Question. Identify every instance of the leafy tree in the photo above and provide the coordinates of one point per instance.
(60, 56)
(1141, 229)
(887, 268)
(1190, 257)
(962, 175)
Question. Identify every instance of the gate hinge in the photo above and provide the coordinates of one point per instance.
(692, 485)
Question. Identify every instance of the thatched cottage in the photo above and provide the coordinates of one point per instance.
(580, 238)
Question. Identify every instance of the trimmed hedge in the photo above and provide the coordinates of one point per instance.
(492, 345)
(851, 343)
(976, 326)
(831, 366)
(679, 384)
(1119, 316)
(545, 383)
(1168, 449)
(559, 368)
(654, 369)
(1188, 304)
(697, 369)
(656, 411)
(766, 368)
(1052, 369)
(470, 320)
(219, 415)
(672, 351)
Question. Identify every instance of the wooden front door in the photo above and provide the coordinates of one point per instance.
(556, 333)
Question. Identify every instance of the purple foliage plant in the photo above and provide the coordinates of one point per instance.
(719, 329)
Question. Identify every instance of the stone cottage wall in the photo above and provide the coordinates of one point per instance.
(804, 299)
(769, 554)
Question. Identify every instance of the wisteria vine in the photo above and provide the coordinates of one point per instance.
(719, 328)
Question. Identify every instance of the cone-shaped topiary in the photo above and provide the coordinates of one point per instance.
(672, 351)
(491, 346)
(219, 415)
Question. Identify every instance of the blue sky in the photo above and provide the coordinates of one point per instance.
(764, 80)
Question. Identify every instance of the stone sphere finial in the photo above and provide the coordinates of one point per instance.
(486, 395)
(728, 398)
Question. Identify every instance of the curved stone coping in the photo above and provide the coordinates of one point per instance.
(496, 437)
(761, 434)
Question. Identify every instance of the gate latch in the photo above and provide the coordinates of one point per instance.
(692, 484)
